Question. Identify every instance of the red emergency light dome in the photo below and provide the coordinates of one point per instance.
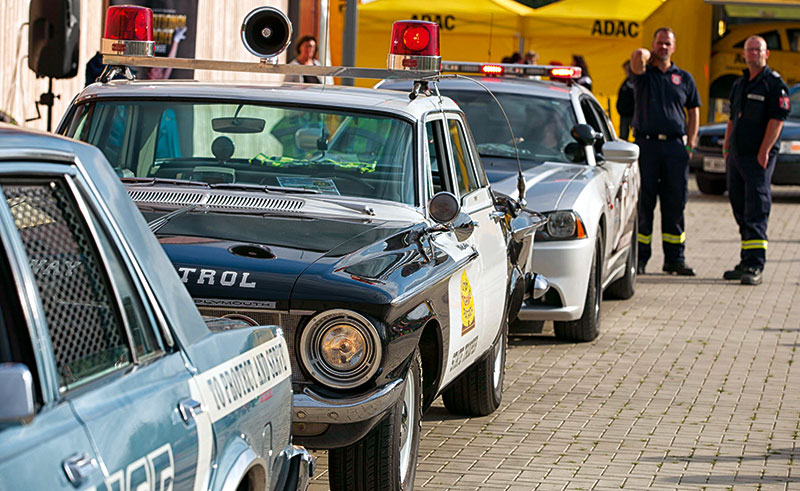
(415, 46)
(129, 31)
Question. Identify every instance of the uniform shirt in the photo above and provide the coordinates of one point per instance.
(660, 98)
(304, 79)
(753, 104)
(625, 103)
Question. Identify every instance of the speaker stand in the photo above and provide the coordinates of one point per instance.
(46, 99)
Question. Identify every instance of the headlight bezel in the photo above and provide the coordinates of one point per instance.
(576, 231)
(314, 361)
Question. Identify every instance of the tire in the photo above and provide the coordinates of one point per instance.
(625, 287)
(587, 327)
(707, 185)
(479, 390)
(386, 457)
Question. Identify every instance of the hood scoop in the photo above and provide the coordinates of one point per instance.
(226, 200)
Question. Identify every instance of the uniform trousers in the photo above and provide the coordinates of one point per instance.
(664, 170)
(751, 199)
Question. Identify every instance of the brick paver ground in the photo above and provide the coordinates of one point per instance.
(691, 384)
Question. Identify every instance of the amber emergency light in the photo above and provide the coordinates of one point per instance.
(129, 31)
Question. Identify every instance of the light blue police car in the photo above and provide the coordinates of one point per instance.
(109, 377)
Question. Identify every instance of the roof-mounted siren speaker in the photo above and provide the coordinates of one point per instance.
(266, 32)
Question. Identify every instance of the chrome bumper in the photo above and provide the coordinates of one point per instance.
(310, 407)
(297, 469)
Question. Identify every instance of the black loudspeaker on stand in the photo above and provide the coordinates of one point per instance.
(53, 44)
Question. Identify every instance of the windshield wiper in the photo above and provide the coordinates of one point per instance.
(262, 187)
(150, 181)
(159, 222)
(360, 208)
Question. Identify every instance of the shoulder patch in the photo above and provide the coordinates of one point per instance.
(775, 74)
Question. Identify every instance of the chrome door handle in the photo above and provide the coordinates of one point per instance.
(497, 216)
(190, 409)
(78, 467)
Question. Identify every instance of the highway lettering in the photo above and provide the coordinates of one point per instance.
(154, 471)
(447, 22)
(464, 353)
(232, 384)
(616, 28)
(212, 277)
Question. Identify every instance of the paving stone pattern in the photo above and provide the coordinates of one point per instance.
(692, 383)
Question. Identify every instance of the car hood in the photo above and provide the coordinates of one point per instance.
(791, 129)
(259, 259)
(550, 185)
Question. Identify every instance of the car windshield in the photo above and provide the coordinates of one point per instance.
(541, 125)
(795, 100)
(329, 151)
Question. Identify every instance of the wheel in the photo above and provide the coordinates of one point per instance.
(386, 457)
(708, 185)
(625, 287)
(587, 327)
(479, 390)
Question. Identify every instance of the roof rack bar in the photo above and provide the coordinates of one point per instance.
(259, 67)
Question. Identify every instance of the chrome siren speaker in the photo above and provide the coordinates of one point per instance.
(266, 32)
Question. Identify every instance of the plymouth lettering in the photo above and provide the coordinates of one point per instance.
(209, 277)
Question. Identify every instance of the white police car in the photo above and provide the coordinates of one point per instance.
(110, 379)
(359, 219)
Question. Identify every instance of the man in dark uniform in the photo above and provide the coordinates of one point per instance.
(661, 92)
(759, 105)
(625, 102)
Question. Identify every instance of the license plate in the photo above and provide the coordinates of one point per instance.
(714, 164)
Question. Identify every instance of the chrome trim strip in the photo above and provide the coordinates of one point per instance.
(145, 49)
(310, 407)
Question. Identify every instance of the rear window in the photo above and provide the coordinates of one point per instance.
(333, 152)
(541, 125)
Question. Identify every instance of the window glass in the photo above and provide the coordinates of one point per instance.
(541, 125)
(795, 104)
(333, 151)
(794, 39)
(591, 117)
(601, 120)
(773, 39)
(438, 175)
(465, 171)
(85, 329)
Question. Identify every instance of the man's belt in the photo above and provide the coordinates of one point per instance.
(657, 136)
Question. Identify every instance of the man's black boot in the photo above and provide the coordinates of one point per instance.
(641, 267)
(735, 273)
(680, 269)
(751, 276)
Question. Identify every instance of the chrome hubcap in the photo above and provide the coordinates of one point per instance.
(498, 363)
(407, 419)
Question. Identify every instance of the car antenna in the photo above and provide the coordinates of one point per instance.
(521, 187)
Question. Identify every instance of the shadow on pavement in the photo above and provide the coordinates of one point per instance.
(534, 340)
(439, 413)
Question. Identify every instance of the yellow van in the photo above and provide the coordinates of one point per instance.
(727, 62)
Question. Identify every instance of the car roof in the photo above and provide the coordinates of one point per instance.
(539, 88)
(357, 98)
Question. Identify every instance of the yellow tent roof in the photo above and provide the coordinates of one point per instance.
(590, 18)
(592, 9)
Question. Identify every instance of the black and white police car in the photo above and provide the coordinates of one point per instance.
(360, 220)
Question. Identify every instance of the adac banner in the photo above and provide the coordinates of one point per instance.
(174, 30)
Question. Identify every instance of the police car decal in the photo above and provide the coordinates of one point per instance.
(154, 471)
(231, 385)
(467, 306)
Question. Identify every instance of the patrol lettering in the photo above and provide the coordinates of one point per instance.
(154, 471)
(616, 28)
(447, 22)
(245, 378)
(209, 277)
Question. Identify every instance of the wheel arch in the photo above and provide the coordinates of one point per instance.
(240, 463)
(432, 353)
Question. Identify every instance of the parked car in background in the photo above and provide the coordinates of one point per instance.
(578, 174)
(708, 163)
(110, 378)
(727, 62)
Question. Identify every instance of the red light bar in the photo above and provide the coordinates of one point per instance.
(415, 46)
(490, 70)
(129, 31)
(565, 72)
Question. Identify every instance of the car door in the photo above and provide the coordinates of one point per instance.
(472, 188)
(113, 369)
(52, 450)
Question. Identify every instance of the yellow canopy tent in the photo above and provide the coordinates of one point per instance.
(604, 33)
(470, 30)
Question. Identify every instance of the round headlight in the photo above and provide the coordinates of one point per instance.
(340, 349)
(561, 224)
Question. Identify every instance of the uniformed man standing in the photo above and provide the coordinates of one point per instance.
(661, 92)
(759, 105)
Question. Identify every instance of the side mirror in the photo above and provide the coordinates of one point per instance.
(310, 139)
(585, 134)
(621, 151)
(444, 207)
(16, 385)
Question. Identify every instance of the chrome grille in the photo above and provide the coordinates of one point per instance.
(288, 322)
